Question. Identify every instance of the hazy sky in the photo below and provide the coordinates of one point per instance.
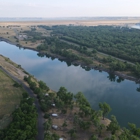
(69, 8)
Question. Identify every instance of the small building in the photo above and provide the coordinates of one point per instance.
(55, 115)
(22, 36)
(28, 98)
(53, 105)
(46, 94)
(54, 127)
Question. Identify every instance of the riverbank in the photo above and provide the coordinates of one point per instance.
(91, 66)
(100, 83)
(17, 74)
(100, 68)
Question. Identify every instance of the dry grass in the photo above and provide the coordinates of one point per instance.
(9, 98)
(11, 67)
(11, 33)
(8, 34)
(74, 22)
(9, 95)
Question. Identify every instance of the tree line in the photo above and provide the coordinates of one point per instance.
(56, 46)
(121, 42)
(24, 121)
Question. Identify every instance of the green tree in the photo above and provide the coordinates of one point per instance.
(43, 85)
(93, 137)
(100, 128)
(64, 124)
(113, 137)
(25, 95)
(105, 108)
(134, 130)
(127, 135)
(37, 90)
(72, 132)
(113, 126)
(47, 125)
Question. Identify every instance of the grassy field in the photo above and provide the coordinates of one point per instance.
(11, 34)
(9, 98)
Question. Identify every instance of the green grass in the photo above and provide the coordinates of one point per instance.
(9, 98)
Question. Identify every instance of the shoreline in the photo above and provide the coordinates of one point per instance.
(124, 76)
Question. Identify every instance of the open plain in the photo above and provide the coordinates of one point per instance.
(82, 22)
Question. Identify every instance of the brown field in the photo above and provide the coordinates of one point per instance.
(11, 33)
(73, 22)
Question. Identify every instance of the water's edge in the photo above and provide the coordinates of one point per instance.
(124, 76)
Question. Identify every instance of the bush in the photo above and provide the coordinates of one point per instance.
(16, 84)
(46, 116)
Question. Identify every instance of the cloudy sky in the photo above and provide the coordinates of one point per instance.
(69, 8)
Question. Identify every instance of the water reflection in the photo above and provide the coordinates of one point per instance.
(96, 86)
(138, 89)
(120, 79)
(114, 78)
(68, 63)
(136, 26)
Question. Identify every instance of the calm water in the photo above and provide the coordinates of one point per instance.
(96, 86)
(136, 26)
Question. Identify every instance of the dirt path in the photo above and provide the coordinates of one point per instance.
(40, 122)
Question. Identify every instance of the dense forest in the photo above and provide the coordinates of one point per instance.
(120, 42)
(82, 43)
(55, 46)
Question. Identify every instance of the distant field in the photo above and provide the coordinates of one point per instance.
(74, 22)
(9, 98)
(10, 29)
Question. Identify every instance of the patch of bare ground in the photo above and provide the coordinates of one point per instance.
(68, 118)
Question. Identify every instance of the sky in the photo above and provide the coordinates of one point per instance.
(69, 8)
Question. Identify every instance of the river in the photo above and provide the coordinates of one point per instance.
(97, 86)
(136, 26)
